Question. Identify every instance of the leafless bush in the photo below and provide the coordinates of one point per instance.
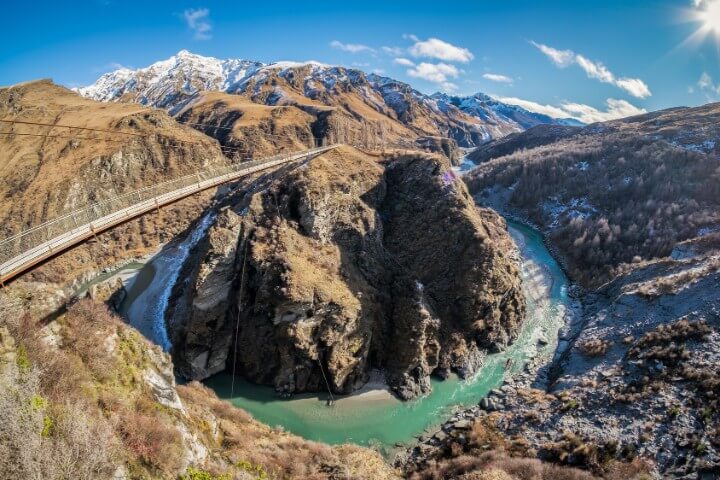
(21, 452)
(681, 330)
(594, 347)
(42, 440)
(155, 442)
(645, 194)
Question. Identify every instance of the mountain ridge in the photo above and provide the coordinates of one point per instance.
(176, 83)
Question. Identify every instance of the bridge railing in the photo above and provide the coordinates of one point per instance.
(30, 238)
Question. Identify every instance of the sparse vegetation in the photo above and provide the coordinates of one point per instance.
(632, 200)
(497, 466)
(77, 406)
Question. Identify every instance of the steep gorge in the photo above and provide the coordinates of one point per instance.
(346, 264)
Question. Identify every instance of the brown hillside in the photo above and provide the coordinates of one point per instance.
(42, 177)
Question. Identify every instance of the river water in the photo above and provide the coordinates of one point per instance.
(374, 417)
(150, 290)
(371, 416)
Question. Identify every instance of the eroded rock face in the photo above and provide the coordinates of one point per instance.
(348, 264)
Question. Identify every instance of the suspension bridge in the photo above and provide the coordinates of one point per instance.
(32, 246)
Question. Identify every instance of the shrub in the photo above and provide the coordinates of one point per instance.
(594, 347)
(197, 474)
(156, 443)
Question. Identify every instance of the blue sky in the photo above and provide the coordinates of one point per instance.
(577, 57)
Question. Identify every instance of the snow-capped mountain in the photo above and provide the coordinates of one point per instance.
(177, 83)
(487, 108)
(169, 83)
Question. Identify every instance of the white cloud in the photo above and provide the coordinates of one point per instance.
(615, 109)
(439, 49)
(404, 62)
(494, 77)
(561, 58)
(708, 86)
(393, 51)
(378, 71)
(705, 82)
(549, 110)
(434, 72)
(350, 47)
(448, 87)
(635, 87)
(585, 113)
(199, 22)
(595, 70)
(564, 58)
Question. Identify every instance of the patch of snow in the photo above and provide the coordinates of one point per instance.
(708, 230)
(465, 166)
(575, 208)
(706, 146)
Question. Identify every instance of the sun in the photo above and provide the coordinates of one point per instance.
(708, 14)
(705, 13)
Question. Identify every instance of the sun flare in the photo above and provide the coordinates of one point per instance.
(709, 15)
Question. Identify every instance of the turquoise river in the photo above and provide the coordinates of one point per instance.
(374, 417)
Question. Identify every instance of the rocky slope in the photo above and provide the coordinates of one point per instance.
(360, 107)
(495, 112)
(126, 147)
(348, 264)
(610, 194)
(631, 207)
(637, 388)
(85, 396)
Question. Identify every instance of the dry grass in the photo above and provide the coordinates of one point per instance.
(673, 283)
(41, 176)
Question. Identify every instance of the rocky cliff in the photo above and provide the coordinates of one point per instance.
(347, 264)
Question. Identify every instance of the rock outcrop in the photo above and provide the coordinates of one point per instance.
(348, 264)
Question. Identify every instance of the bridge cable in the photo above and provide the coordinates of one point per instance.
(237, 318)
(327, 384)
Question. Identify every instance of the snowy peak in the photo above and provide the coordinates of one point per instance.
(489, 109)
(175, 83)
(165, 84)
